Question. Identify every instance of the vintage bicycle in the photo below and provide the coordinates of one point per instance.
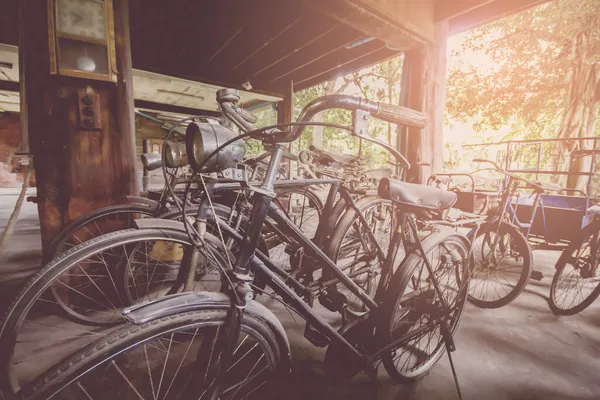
(226, 345)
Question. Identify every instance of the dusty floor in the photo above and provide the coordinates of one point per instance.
(520, 351)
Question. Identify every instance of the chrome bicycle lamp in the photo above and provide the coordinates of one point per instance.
(176, 154)
(202, 139)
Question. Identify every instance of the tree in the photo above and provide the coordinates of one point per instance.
(380, 82)
(544, 76)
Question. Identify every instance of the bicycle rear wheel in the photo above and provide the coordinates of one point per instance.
(414, 308)
(576, 282)
(501, 266)
(304, 208)
(98, 222)
(172, 358)
(354, 253)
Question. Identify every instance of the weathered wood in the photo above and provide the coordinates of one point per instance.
(77, 170)
(125, 111)
(347, 63)
(401, 24)
(24, 144)
(45, 144)
(427, 92)
(449, 9)
(150, 105)
(488, 11)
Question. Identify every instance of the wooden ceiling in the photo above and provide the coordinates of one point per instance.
(268, 43)
(265, 42)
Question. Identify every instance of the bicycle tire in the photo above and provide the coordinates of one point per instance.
(81, 222)
(341, 232)
(57, 244)
(524, 250)
(130, 337)
(41, 282)
(562, 263)
(280, 247)
(397, 293)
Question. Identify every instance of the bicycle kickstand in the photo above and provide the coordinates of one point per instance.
(450, 347)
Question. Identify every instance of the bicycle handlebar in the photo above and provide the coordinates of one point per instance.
(482, 160)
(533, 184)
(386, 112)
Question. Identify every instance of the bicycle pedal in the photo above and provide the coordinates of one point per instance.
(536, 275)
(315, 337)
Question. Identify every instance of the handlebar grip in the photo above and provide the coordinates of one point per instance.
(479, 160)
(400, 115)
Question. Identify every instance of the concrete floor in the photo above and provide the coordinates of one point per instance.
(517, 352)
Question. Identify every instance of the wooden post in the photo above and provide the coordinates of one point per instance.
(427, 93)
(76, 171)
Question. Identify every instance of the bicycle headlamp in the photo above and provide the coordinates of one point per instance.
(202, 139)
(176, 154)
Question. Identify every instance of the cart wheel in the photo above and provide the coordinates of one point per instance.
(576, 282)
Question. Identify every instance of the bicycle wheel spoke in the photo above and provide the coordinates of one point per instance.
(129, 383)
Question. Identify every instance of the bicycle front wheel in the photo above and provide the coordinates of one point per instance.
(576, 282)
(172, 358)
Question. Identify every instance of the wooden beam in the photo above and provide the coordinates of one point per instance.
(324, 62)
(8, 22)
(125, 164)
(489, 12)
(316, 28)
(77, 170)
(427, 93)
(347, 66)
(318, 50)
(9, 86)
(401, 24)
(150, 105)
(444, 9)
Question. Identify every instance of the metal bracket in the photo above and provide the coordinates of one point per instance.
(235, 174)
(360, 122)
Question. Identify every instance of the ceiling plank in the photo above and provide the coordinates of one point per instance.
(489, 12)
(449, 9)
(367, 59)
(150, 105)
(329, 61)
(9, 86)
(401, 24)
(320, 48)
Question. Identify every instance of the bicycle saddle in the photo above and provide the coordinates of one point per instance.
(420, 196)
(336, 157)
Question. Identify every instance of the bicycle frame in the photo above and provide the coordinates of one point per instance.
(251, 259)
(291, 290)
